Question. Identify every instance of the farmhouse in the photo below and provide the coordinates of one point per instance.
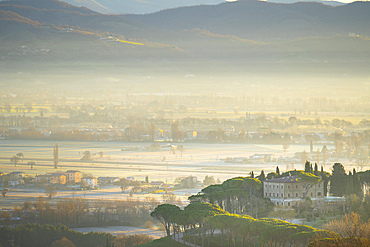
(290, 191)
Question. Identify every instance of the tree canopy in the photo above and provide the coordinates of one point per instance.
(166, 214)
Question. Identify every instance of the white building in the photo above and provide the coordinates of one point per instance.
(90, 181)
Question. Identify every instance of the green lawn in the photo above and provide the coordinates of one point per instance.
(163, 242)
(215, 241)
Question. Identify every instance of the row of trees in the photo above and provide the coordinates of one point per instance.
(113, 114)
(237, 195)
(32, 235)
(199, 222)
(342, 183)
(218, 129)
(77, 212)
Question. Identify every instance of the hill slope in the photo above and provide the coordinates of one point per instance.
(265, 21)
(246, 37)
(137, 7)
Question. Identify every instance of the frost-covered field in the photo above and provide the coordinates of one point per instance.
(127, 230)
(131, 159)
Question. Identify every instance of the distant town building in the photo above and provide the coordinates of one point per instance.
(107, 180)
(90, 181)
(57, 178)
(73, 176)
(15, 182)
(261, 158)
(42, 178)
(53, 178)
(157, 183)
(14, 175)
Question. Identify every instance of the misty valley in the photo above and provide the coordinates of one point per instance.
(184, 123)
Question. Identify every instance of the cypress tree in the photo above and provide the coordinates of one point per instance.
(307, 166)
(338, 180)
(56, 156)
(262, 176)
(349, 188)
(252, 174)
(277, 170)
(325, 178)
(357, 187)
(316, 172)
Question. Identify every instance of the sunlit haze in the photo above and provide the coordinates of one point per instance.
(184, 123)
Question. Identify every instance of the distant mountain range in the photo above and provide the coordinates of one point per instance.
(246, 35)
(137, 7)
(146, 7)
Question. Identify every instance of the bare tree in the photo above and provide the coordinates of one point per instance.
(50, 191)
(56, 156)
(124, 183)
(20, 156)
(350, 226)
(3, 192)
(14, 160)
(31, 163)
(86, 155)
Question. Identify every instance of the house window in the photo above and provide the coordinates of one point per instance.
(319, 194)
(296, 194)
(289, 204)
(273, 194)
(270, 185)
(296, 186)
(288, 186)
(273, 186)
(288, 195)
(277, 194)
(281, 186)
(266, 193)
(270, 194)
(282, 195)
(311, 194)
